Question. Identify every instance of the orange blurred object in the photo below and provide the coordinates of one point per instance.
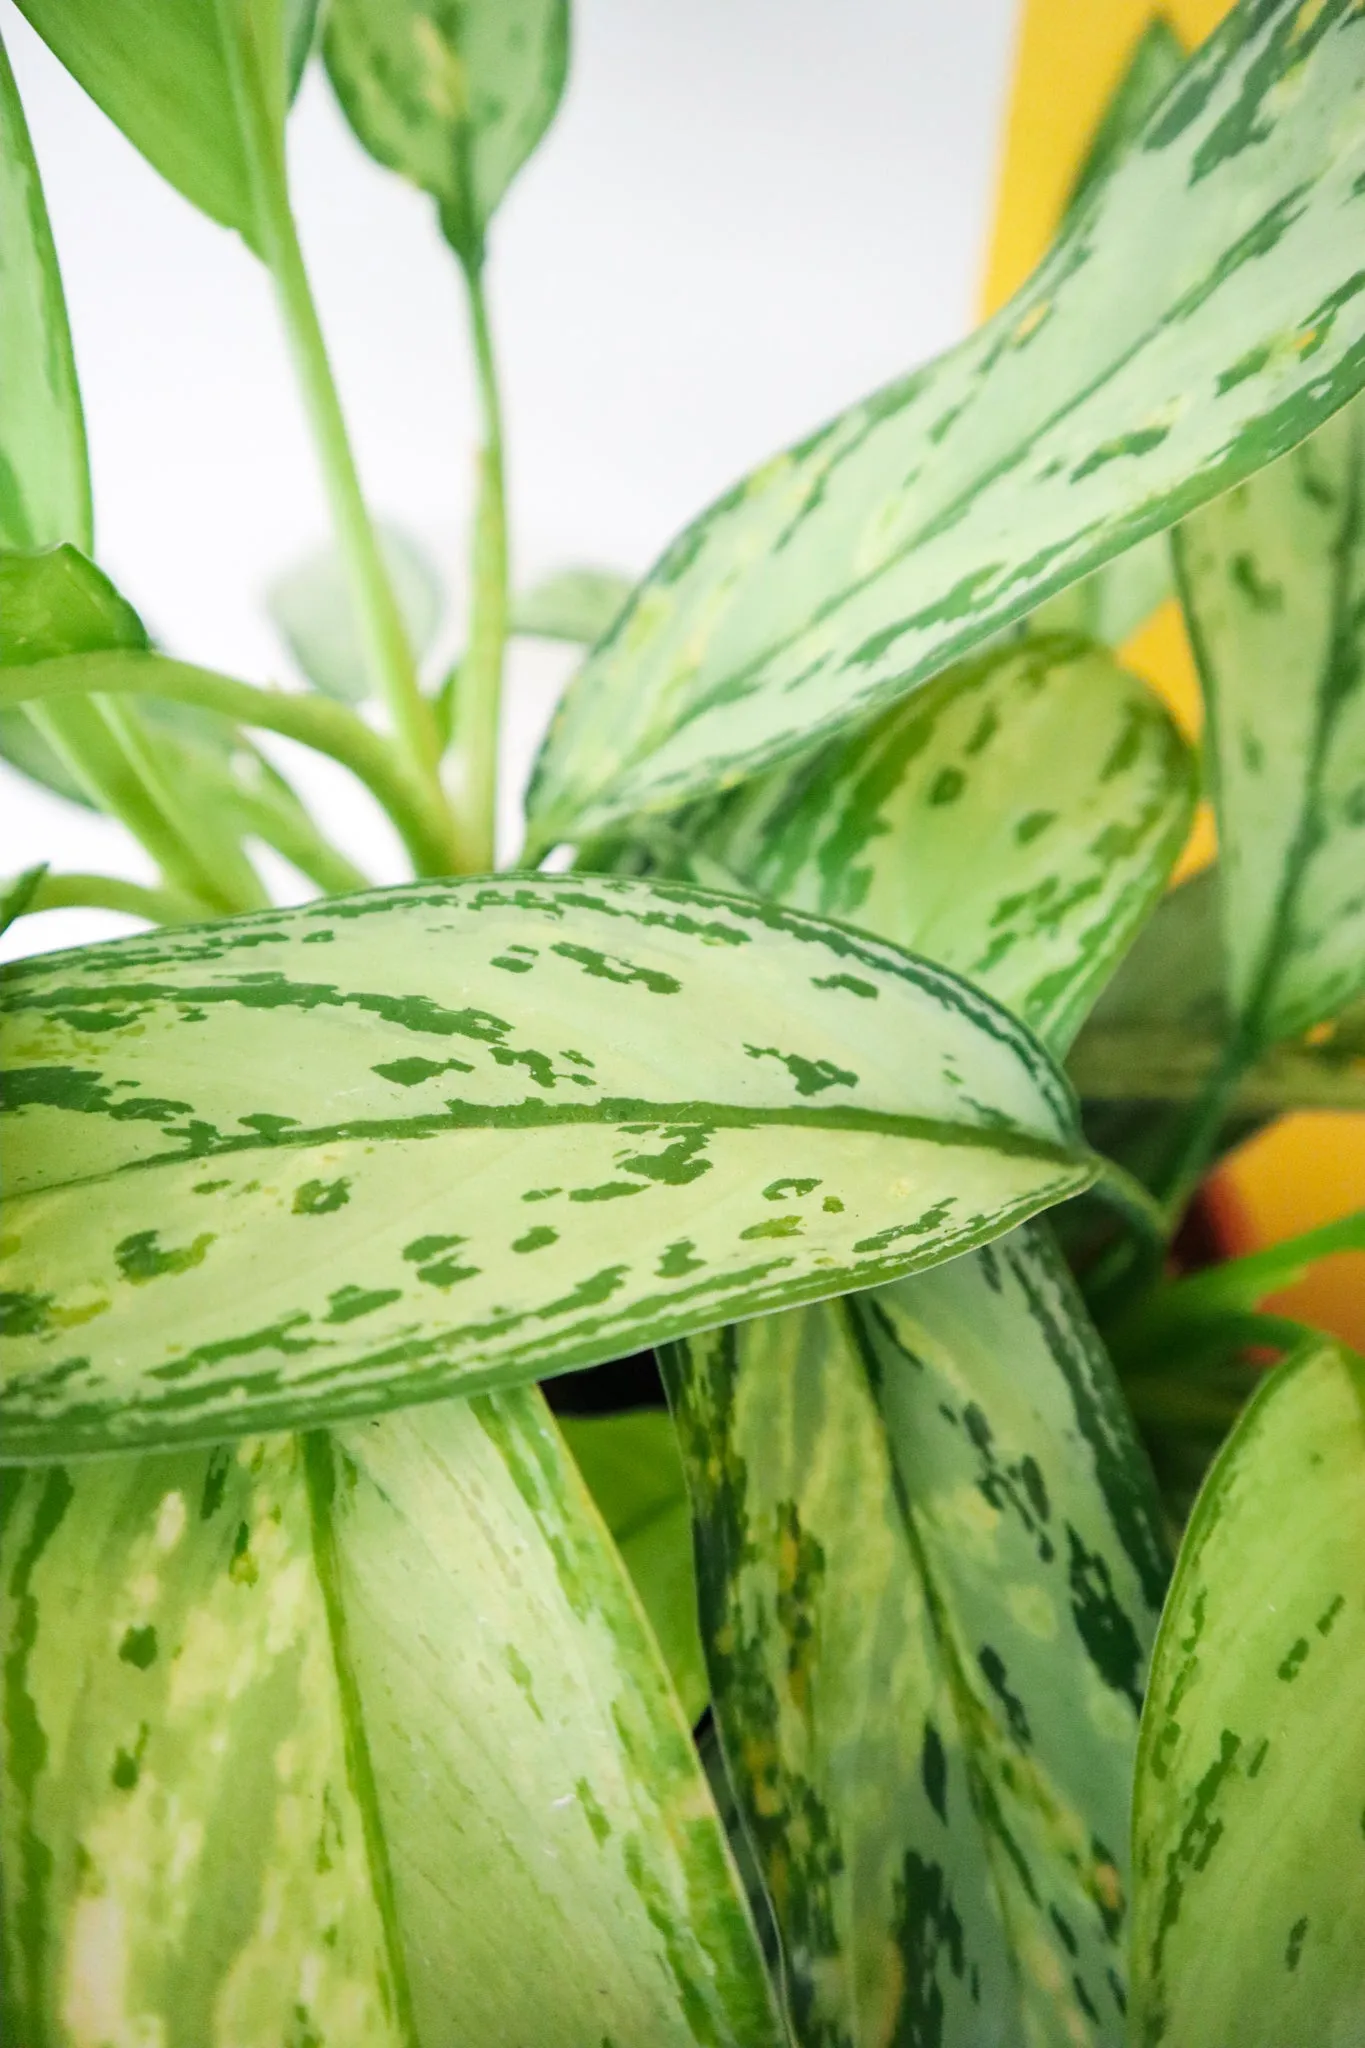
(1070, 55)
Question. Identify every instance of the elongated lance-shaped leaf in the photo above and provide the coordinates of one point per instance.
(358, 1739)
(632, 1468)
(929, 1571)
(455, 94)
(44, 476)
(1015, 821)
(1249, 1868)
(164, 71)
(1204, 313)
(1273, 577)
(325, 1160)
(1156, 60)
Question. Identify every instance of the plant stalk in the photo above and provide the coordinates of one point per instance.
(112, 892)
(477, 710)
(318, 722)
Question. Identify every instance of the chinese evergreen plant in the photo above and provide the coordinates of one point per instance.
(351, 1698)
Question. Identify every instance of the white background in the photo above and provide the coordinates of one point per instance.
(747, 213)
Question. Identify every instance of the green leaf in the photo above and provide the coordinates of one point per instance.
(1249, 1872)
(1157, 60)
(454, 96)
(634, 1473)
(325, 1160)
(356, 1739)
(573, 604)
(16, 896)
(44, 474)
(54, 601)
(1205, 314)
(314, 611)
(1014, 821)
(169, 74)
(1273, 577)
(1111, 604)
(929, 1569)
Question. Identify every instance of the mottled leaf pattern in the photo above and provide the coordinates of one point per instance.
(356, 1739)
(1015, 821)
(1273, 576)
(1206, 313)
(1249, 1856)
(929, 1570)
(455, 94)
(312, 606)
(634, 1473)
(375, 1149)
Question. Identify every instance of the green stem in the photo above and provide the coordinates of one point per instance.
(478, 689)
(257, 89)
(111, 892)
(317, 722)
(215, 848)
(303, 846)
(1199, 1139)
(90, 746)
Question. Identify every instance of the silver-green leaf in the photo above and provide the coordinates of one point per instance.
(357, 1739)
(1015, 821)
(1273, 577)
(1202, 315)
(1249, 1865)
(325, 1160)
(930, 1569)
(578, 605)
(454, 94)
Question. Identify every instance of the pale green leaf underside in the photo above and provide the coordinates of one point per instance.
(573, 604)
(313, 609)
(1014, 822)
(1248, 1852)
(634, 1473)
(1273, 577)
(1205, 313)
(250, 1790)
(454, 94)
(44, 480)
(930, 1571)
(371, 1150)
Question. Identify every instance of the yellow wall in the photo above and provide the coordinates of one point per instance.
(1070, 55)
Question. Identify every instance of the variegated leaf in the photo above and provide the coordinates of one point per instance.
(1273, 577)
(929, 1570)
(174, 76)
(1203, 313)
(331, 1159)
(1015, 821)
(634, 1473)
(1249, 1865)
(455, 96)
(356, 1739)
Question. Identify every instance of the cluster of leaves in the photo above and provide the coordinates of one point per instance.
(349, 1696)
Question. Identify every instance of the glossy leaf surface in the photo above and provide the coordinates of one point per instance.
(44, 479)
(313, 609)
(355, 1739)
(929, 1570)
(1206, 313)
(367, 1151)
(454, 94)
(574, 604)
(1249, 1867)
(1273, 576)
(167, 73)
(633, 1470)
(1014, 821)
